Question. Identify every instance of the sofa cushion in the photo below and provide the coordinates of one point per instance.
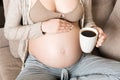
(9, 66)
(111, 47)
(101, 11)
(0, 77)
(3, 40)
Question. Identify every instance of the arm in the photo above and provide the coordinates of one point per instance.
(88, 21)
(13, 30)
(88, 17)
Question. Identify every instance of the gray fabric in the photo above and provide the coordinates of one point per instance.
(64, 74)
(89, 67)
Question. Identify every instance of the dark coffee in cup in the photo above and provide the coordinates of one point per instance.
(89, 33)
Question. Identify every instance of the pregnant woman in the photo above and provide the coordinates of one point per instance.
(49, 40)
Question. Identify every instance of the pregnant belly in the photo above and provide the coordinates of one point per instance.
(57, 50)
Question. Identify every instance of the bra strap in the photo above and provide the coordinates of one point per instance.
(82, 20)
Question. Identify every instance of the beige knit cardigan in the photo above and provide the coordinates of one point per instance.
(19, 9)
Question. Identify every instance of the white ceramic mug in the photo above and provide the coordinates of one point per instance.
(88, 38)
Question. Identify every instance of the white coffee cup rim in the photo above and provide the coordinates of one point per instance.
(89, 28)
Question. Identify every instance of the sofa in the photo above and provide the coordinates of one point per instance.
(1, 14)
(9, 65)
(105, 14)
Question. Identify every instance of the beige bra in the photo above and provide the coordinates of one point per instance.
(39, 13)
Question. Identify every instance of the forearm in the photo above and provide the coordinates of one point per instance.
(22, 32)
(13, 30)
(88, 17)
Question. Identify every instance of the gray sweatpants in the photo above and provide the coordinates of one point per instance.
(89, 67)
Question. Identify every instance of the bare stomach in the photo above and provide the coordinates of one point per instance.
(57, 50)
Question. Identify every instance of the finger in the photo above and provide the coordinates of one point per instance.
(100, 41)
(61, 29)
(100, 31)
(105, 36)
(102, 37)
(98, 45)
(65, 26)
(101, 34)
(65, 30)
(65, 23)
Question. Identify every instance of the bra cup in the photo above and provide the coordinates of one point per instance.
(75, 15)
(39, 13)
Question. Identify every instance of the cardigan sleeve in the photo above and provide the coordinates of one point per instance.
(88, 17)
(13, 30)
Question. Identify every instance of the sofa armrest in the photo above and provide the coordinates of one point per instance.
(3, 41)
(13, 45)
(9, 65)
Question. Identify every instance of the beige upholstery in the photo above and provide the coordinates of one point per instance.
(102, 10)
(111, 47)
(3, 41)
(0, 77)
(10, 65)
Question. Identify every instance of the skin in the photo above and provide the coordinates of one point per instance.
(60, 44)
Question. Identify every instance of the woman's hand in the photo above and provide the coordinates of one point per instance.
(56, 26)
(101, 36)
